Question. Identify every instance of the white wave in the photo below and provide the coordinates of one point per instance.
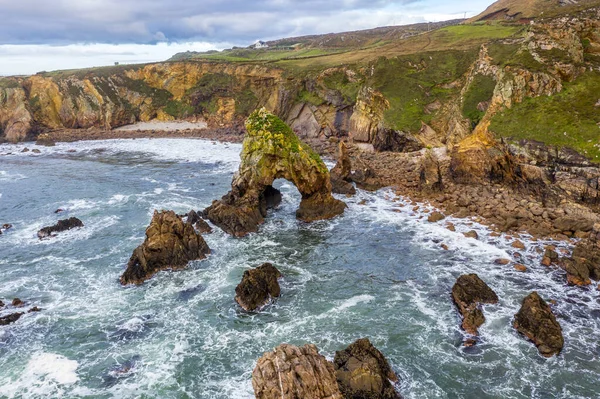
(45, 375)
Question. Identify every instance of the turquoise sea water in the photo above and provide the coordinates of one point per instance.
(378, 271)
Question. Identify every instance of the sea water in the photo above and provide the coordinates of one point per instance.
(378, 271)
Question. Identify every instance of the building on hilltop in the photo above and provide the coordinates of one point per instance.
(259, 44)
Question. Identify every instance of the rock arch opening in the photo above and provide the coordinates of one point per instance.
(272, 151)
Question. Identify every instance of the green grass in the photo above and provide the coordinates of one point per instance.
(474, 32)
(7, 83)
(480, 90)
(178, 109)
(308, 97)
(339, 81)
(413, 81)
(567, 119)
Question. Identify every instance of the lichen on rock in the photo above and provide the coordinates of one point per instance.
(271, 151)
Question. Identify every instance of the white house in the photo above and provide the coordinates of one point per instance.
(260, 44)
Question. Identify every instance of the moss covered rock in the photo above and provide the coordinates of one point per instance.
(271, 151)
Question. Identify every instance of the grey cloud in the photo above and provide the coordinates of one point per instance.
(149, 21)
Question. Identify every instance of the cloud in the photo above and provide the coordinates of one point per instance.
(63, 34)
(150, 21)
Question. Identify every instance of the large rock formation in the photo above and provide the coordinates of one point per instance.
(257, 287)
(363, 372)
(468, 293)
(290, 372)
(340, 174)
(272, 151)
(170, 244)
(62, 225)
(536, 321)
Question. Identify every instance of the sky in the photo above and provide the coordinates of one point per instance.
(38, 35)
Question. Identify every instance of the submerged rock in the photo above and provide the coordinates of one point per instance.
(257, 287)
(536, 321)
(468, 293)
(170, 244)
(272, 151)
(291, 372)
(363, 372)
(340, 174)
(62, 225)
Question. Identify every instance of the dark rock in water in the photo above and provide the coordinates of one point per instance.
(121, 371)
(340, 174)
(290, 372)
(34, 309)
(36, 151)
(272, 151)
(11, 318)
(170, 244)
(471, 234)
(536, 321)
(25, 149)
(257, 287)
(362, 371)
(189, 293)
(1, 304)
(468, 293)
(16, 302)
(192, 217)
(59, 210)
(7, 226)
(134, 328)
(62, 225)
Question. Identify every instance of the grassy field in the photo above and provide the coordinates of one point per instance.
(570, 118)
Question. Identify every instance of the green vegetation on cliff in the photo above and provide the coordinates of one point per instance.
(411, 82)
(479, 92)
(570, 118)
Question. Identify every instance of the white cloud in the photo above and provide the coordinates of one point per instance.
(32, 58)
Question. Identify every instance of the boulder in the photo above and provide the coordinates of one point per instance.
(435, 217)
(574, 223)
(584, 263)
(271, 151)
(340, 174)
(536, 321)
(11, 318)
(257, 287)
(17, 303)
(471, 234)
(291, 372)
(62, 225)
(170, 244)
(363, 372)
(199, 224)
(468, 293)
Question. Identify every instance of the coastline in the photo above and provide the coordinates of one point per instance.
(503, 208)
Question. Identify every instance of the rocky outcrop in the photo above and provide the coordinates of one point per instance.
(340, 174)
(468, 293)
(363, 372)
(258, 287)
(62, 225)
(536, 321)
(291, 372)
(199, 224)
(15, 316)
(15, 119)
(170, 244)
(272, 151)
(584, 263)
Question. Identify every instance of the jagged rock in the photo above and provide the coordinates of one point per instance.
(16, 302)
(257, 287)
(536, 321)
(395, 141)
(340, 174)
(468, 293)
(7, 226)
(550, 257)
(272, 151)
(363, 372)
(1, 304)
(199, 224)
(34, 309)
(62, 225)
(435, 217)
(170, 244)
(290, 372)
(11, 318)
(584, 264)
